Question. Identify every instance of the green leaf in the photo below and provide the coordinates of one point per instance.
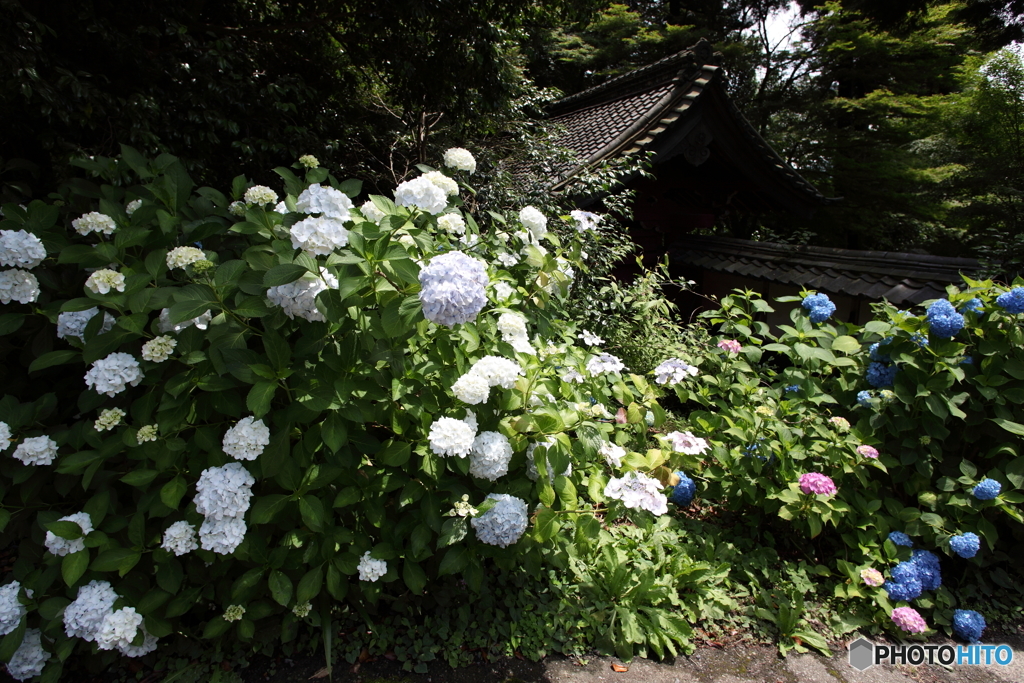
(310, 585)
(846, 344)
(139, 477)
(277, 349)
(267, 508)
(109, 560)
(414, 576)
(66, 530)
(172, 492)
(187, 310)
(216, 627)
(260, 396)
(11, 323)
(52, 358)
(12, 641)
(283, 274)
(394, 453)
(73, 566)
(546, 525)
(312, 510)
(453, 531)
(334, 432)
(280, 587)
(1012, 427)
(348, 496)
(1014, 472)
(454, 561)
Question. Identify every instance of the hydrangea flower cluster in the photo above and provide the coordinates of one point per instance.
(683, 492)
(900, 538)
(260, 195)
(5, 436)
(612, 454)
(298, 299)
(309, 161)
(920, 573)
(319, 235)
(247, 439)
(513, 331)
(880, 375)
(875, 351)
(119, 629)
(73, 323)
(817, 484)
(943, 320)
(987, 489)
(965, 545)
(686, 442)
(452, 223)
(449, 436)
(819, 307)
(84, 616)
(180, 257)
(18, 285)
(864, 398)
(165, 325)
(975, 305)
(62, 546)
(422, 194)
(108, 419)
(94, 221)
(449, 186)
(36, 451)
(132, 206)
(968, 625)
(180, 538)
(233, 613)
(604, 362)
(113, 374)
(222, 496)
(584, 220)
(104, 280)
(1012, 301)
(908, 619)
(30, 658)
(866, 451)
(302, 609)
(371, 569)
(490, 456)
(730, 346)
(674, 371)
(507, 259)
(460, 159)
(237, 209)
(840, 423)
(637, 490)
(872, 577)
(454, 288)
(534, 221)
(159, 349)
(326, 201)
(589, 338)
(504, 523)
(147, 433)
(490, 371)
(11, 609)
(371, 212)
(20, 249)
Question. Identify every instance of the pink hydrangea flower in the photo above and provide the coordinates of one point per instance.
(730, 345)
(813, 482)
(908, 619)
(872, 577)
(867, 451)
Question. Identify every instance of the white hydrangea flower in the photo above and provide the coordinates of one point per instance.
(326, 201)
(118, 629)
(224, 492)
(73, 323)
(612, 453)
(11, 609)
(513, 331)
(165, 325)
(237, 209)
(94, 221)
(36, 451)
(531, 465)
(133, 206)
(504, 523)
(371, 569)
(148, 645)
(260, 195)
(222, 536)
(452, 223)
(637, 490)
(572, 375)
(471, 388)
(158, 349)
(470, 420)
(113, 374)
(319, 236)
(247, 439)
(498, 371)
(84, 616)
(503, 291)
(468, 240)
(20, 249)
(507, 259)
(460, 159)
(685, 442)
(180, 538)
(62, 546)
(18, 285)
(234, 613)
(309, 161)
(453, 288)
(30, 658)
(281, 207)
(147, 433)
(421, 194)
(5, 439)
(299, 298)
(302, 610)
(490, 456)
(371, 212)
(104, 280)
(449, 436)
(449, 186)
(109, 418)
(604, 362)
(673, 371)
(590, 338)
(585, 220)
(534, 221)
(179, 257)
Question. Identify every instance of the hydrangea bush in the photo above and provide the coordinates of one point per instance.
(243, 411)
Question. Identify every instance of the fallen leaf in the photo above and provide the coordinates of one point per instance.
(322, 673)
(621, 668)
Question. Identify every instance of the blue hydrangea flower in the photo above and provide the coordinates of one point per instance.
(814, 300)
(928, 571)
(683, 492)
(1012, 301)
(965, 545)
(900, 538)
(793, 388)
(987, 489)
(919, 339)
(943, 320)
(818, 307)
(752, 450)
(968, 625)
(453, 288)
(876, 353)
(906, 590)
(881, 376)
(975, 305)
(864, 398)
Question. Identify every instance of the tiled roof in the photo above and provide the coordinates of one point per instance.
(901, 278)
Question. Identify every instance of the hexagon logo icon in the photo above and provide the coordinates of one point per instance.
(862, 654)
